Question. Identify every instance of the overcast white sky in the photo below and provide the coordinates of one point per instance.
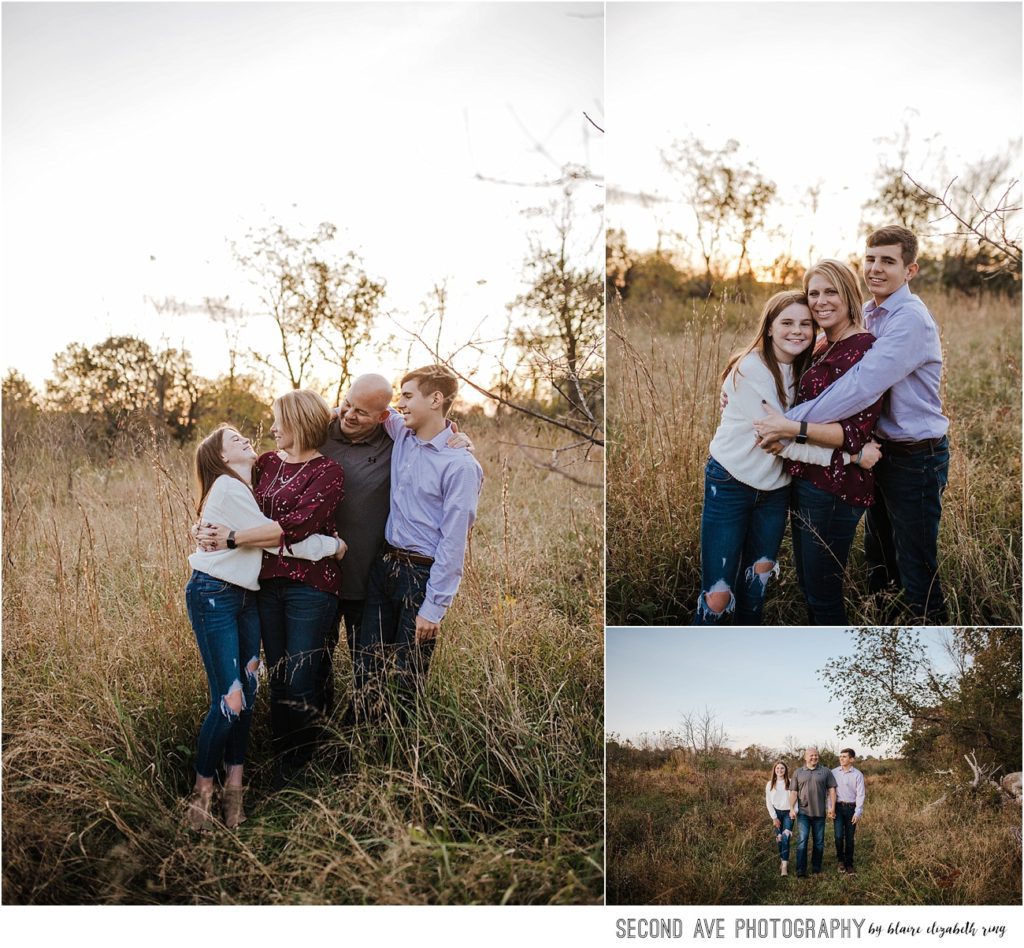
(807, 89)
(139, 138)
(761, 684)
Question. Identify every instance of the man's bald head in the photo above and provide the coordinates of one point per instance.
(365, 406)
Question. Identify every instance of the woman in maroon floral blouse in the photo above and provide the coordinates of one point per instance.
(827, 503)
(299, 489)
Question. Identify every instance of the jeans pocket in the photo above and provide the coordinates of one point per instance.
(204, 584)
(714, 471)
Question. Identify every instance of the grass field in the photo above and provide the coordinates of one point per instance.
(497, 799)
(680, 834)
(665, 358)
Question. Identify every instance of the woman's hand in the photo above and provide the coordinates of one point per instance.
(212, 537)
(342, 549)
(774, 426)
(460, 439)
(870, 455)
(778, 823)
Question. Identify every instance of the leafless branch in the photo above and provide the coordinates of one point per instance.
(592, 122)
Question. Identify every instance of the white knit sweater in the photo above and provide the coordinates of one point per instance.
(231, 504)
(733, 445)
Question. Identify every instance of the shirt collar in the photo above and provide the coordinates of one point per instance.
(440, 439)
(891, 302)
(335, 433)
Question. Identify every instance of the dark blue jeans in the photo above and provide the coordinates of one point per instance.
(823, 530)
(387, 656)
(783, 833)
(350, 612)
(844, 830)
(295, 619)
(902, 535)
(227, 629)
(805, 824)
(739, 527)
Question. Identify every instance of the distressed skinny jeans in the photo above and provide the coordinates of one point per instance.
(741, 530)
(784, 833)
(227, 630)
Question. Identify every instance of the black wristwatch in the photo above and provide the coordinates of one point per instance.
(802, 437)
(231, 540)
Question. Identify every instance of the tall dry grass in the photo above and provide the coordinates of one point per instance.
(497, 798)
(676, 836)
(665, 360)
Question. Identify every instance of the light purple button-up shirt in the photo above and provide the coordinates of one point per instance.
(850, 788)
(905, 361)
(434, 490)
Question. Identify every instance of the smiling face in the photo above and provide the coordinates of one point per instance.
(236, 449)
(780, 771)
(885, 272)
(365, 407)
(791, 332)
(811, 757)
(845, 760)
(284, 439)
(418, 409)
(829, 308)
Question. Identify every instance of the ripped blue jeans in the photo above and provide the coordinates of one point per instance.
(784, 833)
(227, 630)
(741, 530)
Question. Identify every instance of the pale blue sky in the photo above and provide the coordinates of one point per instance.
(761, 684)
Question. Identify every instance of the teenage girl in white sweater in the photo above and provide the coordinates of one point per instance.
(221, 602)
(745, 488)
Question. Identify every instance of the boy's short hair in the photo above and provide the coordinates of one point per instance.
(435, 378)
(895, 234)
(848, 750)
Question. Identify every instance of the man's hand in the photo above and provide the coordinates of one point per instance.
(792, 814)
(212, 536)
(426, 631)
(460, 439)
(831, 814)
(773, 427)
(870, 455)
(855, 819)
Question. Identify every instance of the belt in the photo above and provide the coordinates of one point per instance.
(904, 448)
(844, 803)
(407, 556)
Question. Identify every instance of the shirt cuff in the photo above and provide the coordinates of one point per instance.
(431, 613)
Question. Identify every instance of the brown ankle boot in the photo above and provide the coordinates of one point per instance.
(231, 801)
(198, 815)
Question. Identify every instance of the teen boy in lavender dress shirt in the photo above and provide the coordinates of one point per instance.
(902, 528)
(434, 491)
(849, 807)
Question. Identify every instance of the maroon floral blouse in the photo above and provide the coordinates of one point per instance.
(303, 499)
(849, 483)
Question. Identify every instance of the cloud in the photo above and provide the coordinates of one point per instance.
(768, 712)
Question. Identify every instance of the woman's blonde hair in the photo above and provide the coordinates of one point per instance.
(761, 343)
(305, 416)
(785, 776)
(210, 463)
(845, 281)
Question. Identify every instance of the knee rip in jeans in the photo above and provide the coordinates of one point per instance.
(718, 600)
(763, 569)
(233, 703)
(252, 671)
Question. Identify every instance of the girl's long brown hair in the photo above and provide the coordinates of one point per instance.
(210, 465)
(762, 344)
(775, 776)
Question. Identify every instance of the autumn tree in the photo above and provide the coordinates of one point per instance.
(123, 383)
(729, 199)
(321, 300)
(893, 695)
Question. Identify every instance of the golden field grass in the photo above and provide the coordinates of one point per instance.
(665, 359)
(676, 836)
(497, 799)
